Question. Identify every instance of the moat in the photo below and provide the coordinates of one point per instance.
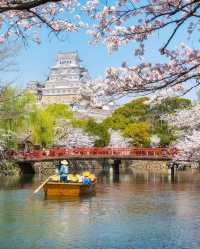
(140, 210)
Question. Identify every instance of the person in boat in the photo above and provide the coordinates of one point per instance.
(57, 168)
(63, 171)
(86, 179)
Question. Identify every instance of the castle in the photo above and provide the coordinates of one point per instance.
(64, 85)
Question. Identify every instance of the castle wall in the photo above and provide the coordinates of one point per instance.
(65, 99)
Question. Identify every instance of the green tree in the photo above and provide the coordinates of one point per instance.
(139, 133)
(164, 132)
(160, 127)
(79, 123)
(14, 113)
(140, 111)
(42, 124)
(131, 112)
(44, 120)
(59, 111)
(14, 109)
(99, 130)
(170, 105)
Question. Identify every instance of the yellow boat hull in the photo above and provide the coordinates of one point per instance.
(60, 189)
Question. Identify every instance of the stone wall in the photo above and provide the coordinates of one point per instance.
(48, 168)
(9, 168)
(148, 165)
(44, 168)
(51, 99)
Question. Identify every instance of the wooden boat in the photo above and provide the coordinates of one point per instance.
(60, 189)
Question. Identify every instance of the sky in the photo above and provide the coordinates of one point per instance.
(34, 61)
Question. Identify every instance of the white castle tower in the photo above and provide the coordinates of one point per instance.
(66, 84)
(65, 80)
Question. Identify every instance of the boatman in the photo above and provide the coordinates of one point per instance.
(63, 171)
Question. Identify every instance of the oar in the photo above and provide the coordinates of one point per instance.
(38, 189)
(41, 185)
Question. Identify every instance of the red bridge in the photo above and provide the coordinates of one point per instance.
(94, 154)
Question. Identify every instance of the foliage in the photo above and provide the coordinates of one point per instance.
(149, 114)
(121, 22)
(160, 127)
(117, 23)
(20, 116)
(164, 132)
(137, 120)
(100, 131)
(131, 112)
(139, 133)
(79, 123)
(187, 122)
(59, 111)
(135, 109)
(14, 108)
(44, 121)
(41, 127)
(170, 105)
(14, 114)
(8, 139)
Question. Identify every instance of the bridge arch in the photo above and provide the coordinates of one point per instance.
(27, 168)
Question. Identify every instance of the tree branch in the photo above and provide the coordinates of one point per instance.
(23, 5)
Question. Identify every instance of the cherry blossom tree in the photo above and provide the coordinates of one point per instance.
(118, 23)
(154, 140)
(66, 135)
(188, 124)
(135, 21)
(22, 18)
(117, 140)
(73, 137)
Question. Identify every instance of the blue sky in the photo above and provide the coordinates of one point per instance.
(34, 60)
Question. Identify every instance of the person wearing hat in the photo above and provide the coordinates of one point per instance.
(63, 171)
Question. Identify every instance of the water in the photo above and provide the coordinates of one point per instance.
(140, 210)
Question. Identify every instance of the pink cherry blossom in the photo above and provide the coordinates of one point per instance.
(122, 22)
(187, 123)
(20, 18)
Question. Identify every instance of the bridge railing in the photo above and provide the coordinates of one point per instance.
(94, 151)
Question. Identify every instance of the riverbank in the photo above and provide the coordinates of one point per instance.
(10, 168)
(48, 168)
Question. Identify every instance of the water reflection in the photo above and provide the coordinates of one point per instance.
(128, 175)
(137, 210)
(13, 182)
